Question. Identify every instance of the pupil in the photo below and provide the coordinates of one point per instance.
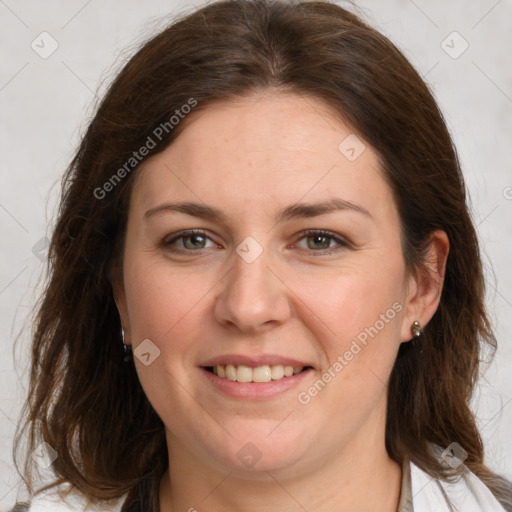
(193, 237)
(318, 238)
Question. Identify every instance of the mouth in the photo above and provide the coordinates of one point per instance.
(259, 374)
(255, 376)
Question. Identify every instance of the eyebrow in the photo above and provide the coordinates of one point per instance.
(295, 211)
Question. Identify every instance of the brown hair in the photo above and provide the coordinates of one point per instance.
(85, 401)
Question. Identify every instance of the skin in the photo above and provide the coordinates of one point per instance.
(250, 159)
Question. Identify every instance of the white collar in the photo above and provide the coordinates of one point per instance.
(468, 493)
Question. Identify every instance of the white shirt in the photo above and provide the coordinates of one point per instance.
(467, 494)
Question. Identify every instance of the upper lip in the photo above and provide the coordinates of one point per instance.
(254, 361)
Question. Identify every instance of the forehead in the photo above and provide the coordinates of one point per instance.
(262, 150)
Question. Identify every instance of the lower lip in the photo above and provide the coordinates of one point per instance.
(255, 390)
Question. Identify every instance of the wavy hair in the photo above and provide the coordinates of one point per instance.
(85, 401)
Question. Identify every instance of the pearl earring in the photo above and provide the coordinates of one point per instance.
(416, 329)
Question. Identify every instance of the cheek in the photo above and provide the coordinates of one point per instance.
(355, 300)
(163, 301)
(165, 306)
(362, 311)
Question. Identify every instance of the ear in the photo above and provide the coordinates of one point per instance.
(424, 289)
(120, 300)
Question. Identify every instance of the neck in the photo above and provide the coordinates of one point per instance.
(359, 477)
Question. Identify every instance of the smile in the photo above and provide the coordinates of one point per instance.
(246, 374)
(255, 376)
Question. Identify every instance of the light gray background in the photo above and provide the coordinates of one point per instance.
(46, 103)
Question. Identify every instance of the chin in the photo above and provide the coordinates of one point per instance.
(251, 453)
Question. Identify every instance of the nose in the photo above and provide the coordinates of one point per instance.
(253, 296)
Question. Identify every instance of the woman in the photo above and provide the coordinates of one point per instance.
(268, 217)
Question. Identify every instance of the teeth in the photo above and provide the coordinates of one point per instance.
(261, 374)
(242, 373)
(230, 372)
(277, 372)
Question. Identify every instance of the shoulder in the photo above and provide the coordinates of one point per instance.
(466, 493)
(60, 500)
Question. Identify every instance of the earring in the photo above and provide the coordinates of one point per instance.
(416, 329)
(127, 349)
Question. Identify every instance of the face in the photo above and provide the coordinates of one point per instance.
(293, 277)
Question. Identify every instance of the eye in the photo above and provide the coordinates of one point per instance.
(192, 240)
(322, 241)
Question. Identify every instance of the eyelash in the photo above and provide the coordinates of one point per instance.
(305, 234)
